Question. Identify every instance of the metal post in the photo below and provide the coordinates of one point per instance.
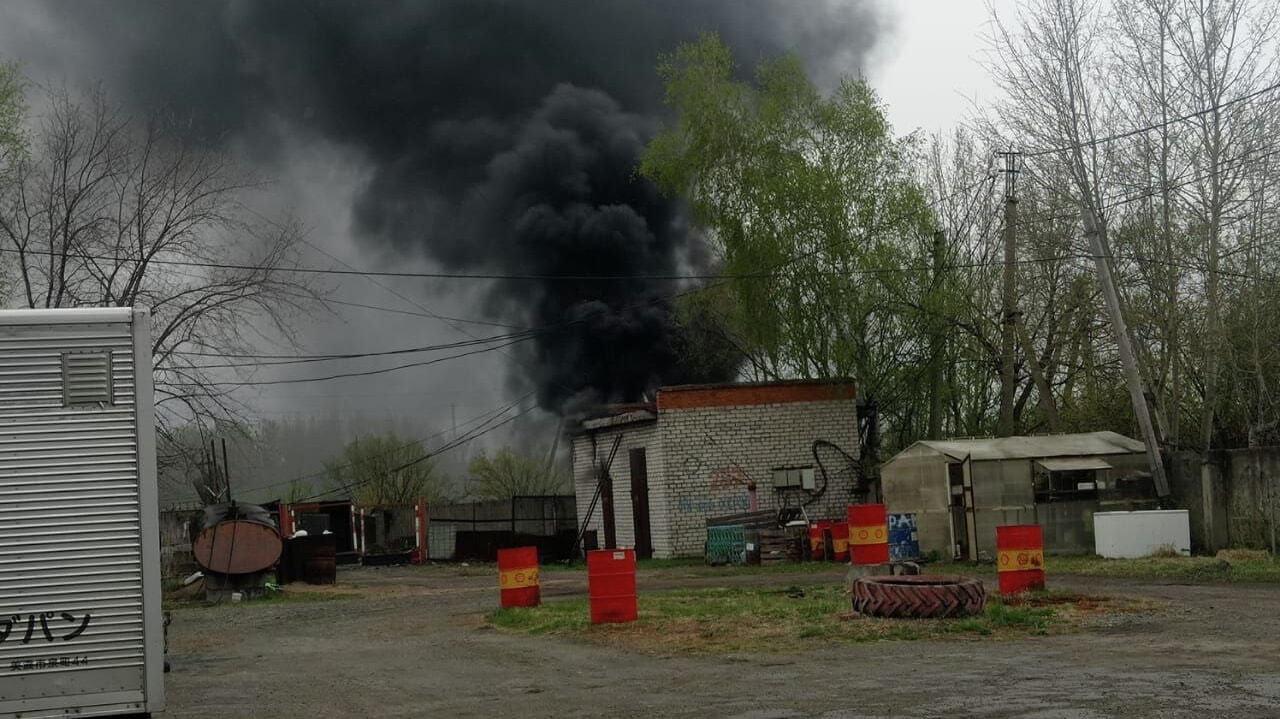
(226, 471)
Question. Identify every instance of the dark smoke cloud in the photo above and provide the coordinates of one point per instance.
(503, 137)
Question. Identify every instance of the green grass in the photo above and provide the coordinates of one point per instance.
(753, 620)
(696, 566)
(1188, 569)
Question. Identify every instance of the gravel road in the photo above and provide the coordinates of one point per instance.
(412, 645)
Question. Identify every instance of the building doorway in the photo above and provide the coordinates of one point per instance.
(640, 503)
(964, 529)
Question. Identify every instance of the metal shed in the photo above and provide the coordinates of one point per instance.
(962, 489)
(81, 631)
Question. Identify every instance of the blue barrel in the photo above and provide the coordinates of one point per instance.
(903, 543)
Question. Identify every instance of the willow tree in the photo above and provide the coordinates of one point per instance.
(825, 235)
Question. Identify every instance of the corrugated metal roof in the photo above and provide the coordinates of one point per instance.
(1072, 464)
(1054, 445)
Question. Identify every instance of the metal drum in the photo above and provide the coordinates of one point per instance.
(518, 577)
(868, 534)
(611, 585)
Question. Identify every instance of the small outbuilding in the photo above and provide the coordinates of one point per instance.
(649, 476)
(961, 490)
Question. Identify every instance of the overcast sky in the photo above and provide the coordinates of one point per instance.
(924, 60)
(929, 67)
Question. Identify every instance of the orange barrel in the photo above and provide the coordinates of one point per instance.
(817, 543)
(611, 585)
(840, 541)
(868, 534)
(518, 577)
(1020, 558)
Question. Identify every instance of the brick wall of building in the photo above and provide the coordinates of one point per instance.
(707, 444)
(710, 454)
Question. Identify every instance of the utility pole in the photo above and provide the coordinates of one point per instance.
(936, 340)
(1008, 315)
(1127, 359)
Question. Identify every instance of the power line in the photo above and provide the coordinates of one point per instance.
(454, 444)
(486, 416)
(366, 373)
(278, 359)
(350, 271)
(412, 313)
(1140, 130)
(383, 273)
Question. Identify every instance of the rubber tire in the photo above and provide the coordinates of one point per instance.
(921, 596)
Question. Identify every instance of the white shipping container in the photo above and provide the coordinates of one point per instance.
(1127, 535)
(81, 631)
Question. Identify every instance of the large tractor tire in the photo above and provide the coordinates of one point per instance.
(921, 596)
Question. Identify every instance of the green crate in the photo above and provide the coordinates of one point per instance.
(727, 544)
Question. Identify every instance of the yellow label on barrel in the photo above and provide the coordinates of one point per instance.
(1018, 560)
(518, 578)
(839, 545)
(868, 535)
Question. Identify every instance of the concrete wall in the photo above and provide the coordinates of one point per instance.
(1252, 495)
(711, 453)
(585, 461)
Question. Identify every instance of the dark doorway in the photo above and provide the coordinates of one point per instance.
(606, 511)
(640, 503)
(961, 503)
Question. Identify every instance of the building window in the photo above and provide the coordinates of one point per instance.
(1066, 485)
(86, 379)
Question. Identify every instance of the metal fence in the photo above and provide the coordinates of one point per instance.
(477, 530)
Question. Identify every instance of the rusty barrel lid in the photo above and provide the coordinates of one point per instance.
(238, 547)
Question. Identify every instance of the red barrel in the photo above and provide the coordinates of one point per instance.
(839, 541)
(868, 534)
(1020, 558)
(518, 577)
(817, 542)
(611, 585)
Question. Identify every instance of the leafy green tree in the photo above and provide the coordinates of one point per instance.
(508, 474)
(385, 469)
(815, 208)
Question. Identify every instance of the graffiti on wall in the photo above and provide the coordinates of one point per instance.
(712, 489)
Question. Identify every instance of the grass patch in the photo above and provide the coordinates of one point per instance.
(1226, 567)
(701, 621)
(697, 567)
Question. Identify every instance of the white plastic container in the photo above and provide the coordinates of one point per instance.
(1128, 535)
(81, 631)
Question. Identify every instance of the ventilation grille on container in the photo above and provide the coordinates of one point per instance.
(86, 379)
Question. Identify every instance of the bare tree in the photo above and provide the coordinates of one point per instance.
(108, 209)
(1226, 49)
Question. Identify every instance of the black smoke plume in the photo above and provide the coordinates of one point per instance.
(503, 136)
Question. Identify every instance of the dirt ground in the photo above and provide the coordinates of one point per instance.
(413, 644)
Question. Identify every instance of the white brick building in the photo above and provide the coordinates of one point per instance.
(703, 451)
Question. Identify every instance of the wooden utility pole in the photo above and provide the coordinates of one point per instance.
(1130, 364)
(1008, 317)
(937, 339)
